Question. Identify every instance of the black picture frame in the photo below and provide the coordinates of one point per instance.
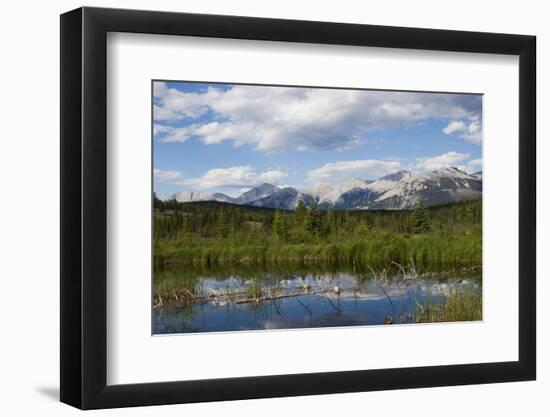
(84, 207)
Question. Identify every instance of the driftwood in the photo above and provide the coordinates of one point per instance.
(244, 295)
(279, 296)
(160, 303)
(235, 297)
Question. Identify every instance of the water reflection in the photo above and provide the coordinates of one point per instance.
(253, 298)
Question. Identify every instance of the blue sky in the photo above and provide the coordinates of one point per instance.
(229, 138)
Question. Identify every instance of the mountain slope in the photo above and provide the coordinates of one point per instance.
(257, 193)
(439, 187)
(192, 196)
(286, 199)
(398, 191)
(328, 195)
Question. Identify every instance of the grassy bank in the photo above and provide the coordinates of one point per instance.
(220, 234)
(460, 305)
(426, 251)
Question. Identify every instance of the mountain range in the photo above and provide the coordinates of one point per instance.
(398, 191)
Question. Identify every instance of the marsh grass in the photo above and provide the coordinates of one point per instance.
(459, 305)
(255, 290)
(184, 288)
(428, 252)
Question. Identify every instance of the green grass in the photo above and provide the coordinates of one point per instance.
(211, 234)
(427, 251)
(460, 305)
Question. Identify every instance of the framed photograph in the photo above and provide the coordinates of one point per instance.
(257, 208)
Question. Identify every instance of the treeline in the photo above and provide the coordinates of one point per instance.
(212, 233)
(213, 220)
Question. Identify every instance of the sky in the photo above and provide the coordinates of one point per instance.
(229, 138)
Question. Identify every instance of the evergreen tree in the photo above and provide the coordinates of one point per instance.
(330, 222)
(409, 224)
(157, 202)
(242, 224)
(421, 221)
(312, 221)
(300, 212)
(280, 226)
(222, 228)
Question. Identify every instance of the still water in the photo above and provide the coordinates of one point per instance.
(262, 300)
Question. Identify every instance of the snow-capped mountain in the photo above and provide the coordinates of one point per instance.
(328, 194)
(193, 196)
(397, 191)
(443, 186)
(387, 182)
(478, 175)
(286, 199)
(257, 193)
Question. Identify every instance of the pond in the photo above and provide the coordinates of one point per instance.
(286, 298)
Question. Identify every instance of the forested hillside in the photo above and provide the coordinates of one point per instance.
(213, 232)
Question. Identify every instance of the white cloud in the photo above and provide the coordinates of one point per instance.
(160, 89)
(449, 159)
(475, 162)
(469, 131)
(234, 177)
(455, 126)
(277, 118)
(471, 166)
(335, 172)
(172, 104)
(170, 133)
(166, 176)
(158, 129)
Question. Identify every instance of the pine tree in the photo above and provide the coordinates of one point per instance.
(330, 223)
(157, 202)
(421, 221)
(312, 221)
(280, 226)
(300, 212)
(222, 227)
